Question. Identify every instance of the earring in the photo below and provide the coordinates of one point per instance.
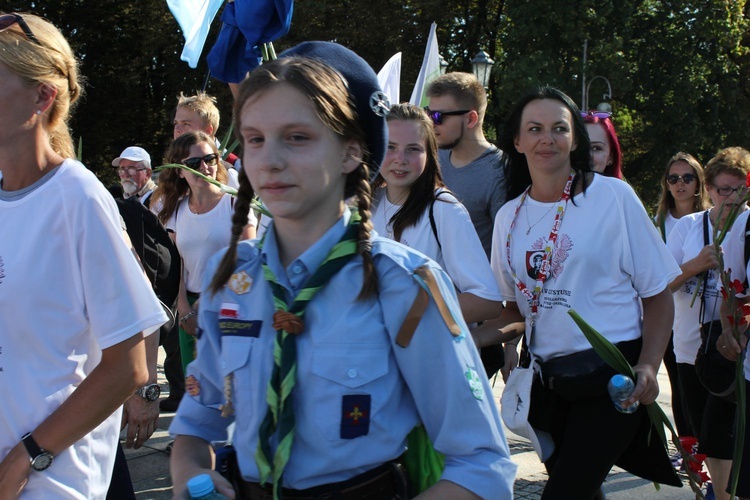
(38, 111)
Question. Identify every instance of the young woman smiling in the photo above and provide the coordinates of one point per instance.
(414, 208)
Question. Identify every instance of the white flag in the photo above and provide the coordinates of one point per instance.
(389, 78)
(194, 18)
(430, 69)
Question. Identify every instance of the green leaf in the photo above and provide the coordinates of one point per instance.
(608, 352)
(224, 141)
(79, 153)
(232, 147)
(255, 204)
(614, 358)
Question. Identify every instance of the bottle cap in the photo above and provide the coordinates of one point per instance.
(619, 381)
(200, 485)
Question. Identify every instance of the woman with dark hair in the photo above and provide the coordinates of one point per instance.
(414, 208)
(605, 146)
(200, 216)
(311, 338)
(602, 258)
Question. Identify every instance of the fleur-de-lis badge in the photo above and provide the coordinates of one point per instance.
(240, 283)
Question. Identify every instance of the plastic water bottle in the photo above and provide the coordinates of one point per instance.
(201, 487)
(620, 388)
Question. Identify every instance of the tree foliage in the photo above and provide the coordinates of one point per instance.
(679, 69)
(676, 70)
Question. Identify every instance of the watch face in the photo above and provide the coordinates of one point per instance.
(41, 462)
(153, 392)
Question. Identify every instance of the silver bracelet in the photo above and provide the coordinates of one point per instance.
(188, 316)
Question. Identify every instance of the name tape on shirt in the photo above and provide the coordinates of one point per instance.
(240, 328)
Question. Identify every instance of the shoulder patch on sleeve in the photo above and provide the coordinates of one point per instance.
(428, 283)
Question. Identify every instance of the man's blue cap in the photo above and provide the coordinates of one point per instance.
(370, 102)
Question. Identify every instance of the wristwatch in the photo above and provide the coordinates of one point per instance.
(149, 392)
(40, 459)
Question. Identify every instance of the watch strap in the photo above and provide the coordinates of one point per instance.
(31, 446)
(40, 459)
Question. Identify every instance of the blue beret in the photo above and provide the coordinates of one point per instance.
(370, 102)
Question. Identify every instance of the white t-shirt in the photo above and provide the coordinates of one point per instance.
(685, 242)
(734, 259)
(69, 288)
(608, 254)
(462, 255)
(199, 236)
(669, 223)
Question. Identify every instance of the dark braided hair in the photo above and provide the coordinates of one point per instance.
(363, 192)
(239, 221)
(328, 94)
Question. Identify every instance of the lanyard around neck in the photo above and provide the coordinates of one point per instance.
(544, 270)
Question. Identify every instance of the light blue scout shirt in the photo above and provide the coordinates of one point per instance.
(357, 394)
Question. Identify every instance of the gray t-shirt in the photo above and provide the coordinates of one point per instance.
(480, 187)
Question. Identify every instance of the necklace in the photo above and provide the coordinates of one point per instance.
(206, 206)
(541, 277)
(531, 226)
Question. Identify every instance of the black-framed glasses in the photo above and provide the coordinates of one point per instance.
(131, 171)
(195, 163)
(726, 191)
(596, 114)
(437, 116)
(686, 179)
(8, 20)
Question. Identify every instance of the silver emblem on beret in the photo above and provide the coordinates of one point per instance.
(379, 103)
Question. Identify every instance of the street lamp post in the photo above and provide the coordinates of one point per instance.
(482, 67)
(602, 106)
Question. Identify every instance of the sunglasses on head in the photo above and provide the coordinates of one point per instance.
(195, 163)
(437, 116)
(686, 179)
(8, 20)
(596, 114)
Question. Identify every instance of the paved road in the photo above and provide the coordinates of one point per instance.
(149, 466)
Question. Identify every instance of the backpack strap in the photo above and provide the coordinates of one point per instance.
(432, 218)
(147, 200)
(702, 313)
(663, 228)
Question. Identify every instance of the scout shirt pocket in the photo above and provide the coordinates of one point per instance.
(237, 343)
(350, 393)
